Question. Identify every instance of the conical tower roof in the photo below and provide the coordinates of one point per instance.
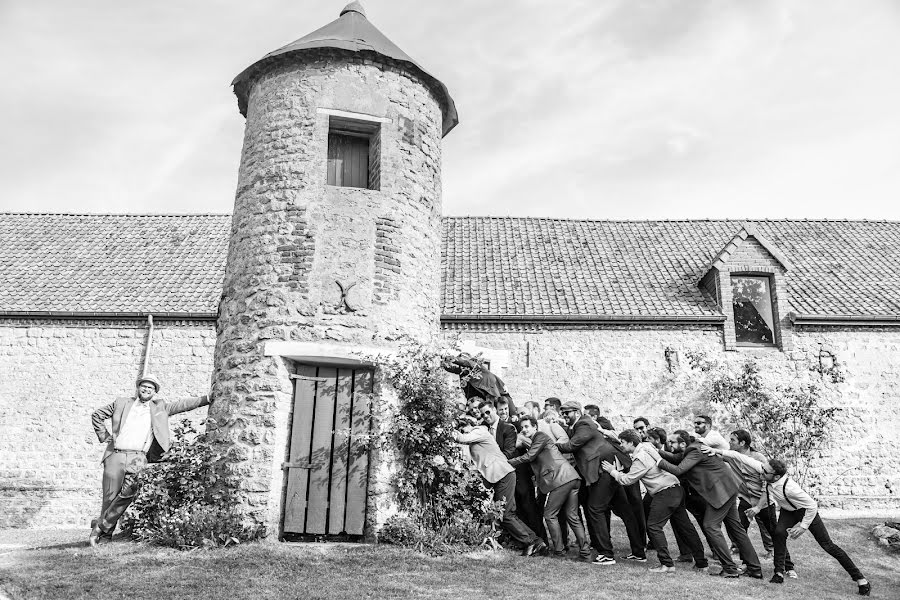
(351, 31)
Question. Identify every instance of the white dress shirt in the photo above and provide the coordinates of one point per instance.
(136, 432)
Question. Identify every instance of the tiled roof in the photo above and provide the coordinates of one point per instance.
(112, 263)
(523, 266)
(518, 267)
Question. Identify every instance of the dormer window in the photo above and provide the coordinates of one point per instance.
(754, 313)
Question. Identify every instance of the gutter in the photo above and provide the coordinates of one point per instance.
(585, 319)
(111, 316)
(833, 320)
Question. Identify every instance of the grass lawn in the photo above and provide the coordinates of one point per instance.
(60, 565)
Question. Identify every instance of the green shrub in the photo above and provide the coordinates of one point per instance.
(444, 506)
(182, 502)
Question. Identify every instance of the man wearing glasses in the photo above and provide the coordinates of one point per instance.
(642, 426)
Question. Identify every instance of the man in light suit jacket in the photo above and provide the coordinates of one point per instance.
(558, 481)
(500, 477)
(140, 434)
(717, 484)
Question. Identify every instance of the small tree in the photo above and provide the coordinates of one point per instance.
(790, 420)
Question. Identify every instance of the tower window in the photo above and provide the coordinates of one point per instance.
(754, 314)
(354, 153)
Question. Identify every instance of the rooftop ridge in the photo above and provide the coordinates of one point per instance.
(730, 220)
(108, 214)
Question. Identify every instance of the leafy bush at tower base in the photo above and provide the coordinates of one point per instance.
(182, 502)
(444, 506)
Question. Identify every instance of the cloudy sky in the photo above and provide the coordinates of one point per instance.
(625, 109)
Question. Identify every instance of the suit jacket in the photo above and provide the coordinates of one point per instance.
(159, 420)
(550, 467)
(506, 438)
(486, 454)
(590, 448)
(709, 476)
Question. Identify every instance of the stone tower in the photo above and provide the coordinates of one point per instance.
(335, 234)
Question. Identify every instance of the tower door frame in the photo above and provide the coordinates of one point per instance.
(327, 470)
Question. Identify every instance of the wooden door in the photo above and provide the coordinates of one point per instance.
(328, 466)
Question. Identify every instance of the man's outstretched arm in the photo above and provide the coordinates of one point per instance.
(180, 406)
(97, 420)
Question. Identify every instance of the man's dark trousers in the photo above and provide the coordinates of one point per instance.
(633, 493)
(526, 503)
(789, 518)
(505, 489)
(606, 494)
(712, 526)
(668, 504)
(762, 521)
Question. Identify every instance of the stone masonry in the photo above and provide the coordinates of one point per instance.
(53, 375)
(296, 242)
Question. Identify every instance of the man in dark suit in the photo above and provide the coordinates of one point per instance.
(505, 434)
(140, 434)
(590, 448)
(558, 482)
(716, 483)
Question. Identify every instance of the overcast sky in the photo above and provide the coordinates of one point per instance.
(625, 109)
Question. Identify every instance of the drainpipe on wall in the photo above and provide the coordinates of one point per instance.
(149, 345)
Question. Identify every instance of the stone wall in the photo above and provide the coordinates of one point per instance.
(624, 370)
(53, 374)
(297, 243)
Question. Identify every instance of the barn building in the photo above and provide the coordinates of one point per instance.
(337, 248)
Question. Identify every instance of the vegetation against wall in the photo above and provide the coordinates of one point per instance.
(791, 420)
(444, 506)
(182, 502)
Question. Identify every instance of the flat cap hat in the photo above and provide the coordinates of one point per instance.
(571, 405)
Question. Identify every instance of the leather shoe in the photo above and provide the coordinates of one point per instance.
(94, 538)
(536, 547)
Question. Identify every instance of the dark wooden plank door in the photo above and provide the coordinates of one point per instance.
(328, 467)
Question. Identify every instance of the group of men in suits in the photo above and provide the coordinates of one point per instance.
(550, 464)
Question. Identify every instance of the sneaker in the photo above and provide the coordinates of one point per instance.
(777, 578)
(636, 558)
(728, 574)
(662, 569)
(604, 560)
(791, 573)
(865, 589)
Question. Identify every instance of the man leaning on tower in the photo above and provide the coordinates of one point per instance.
(140, 435)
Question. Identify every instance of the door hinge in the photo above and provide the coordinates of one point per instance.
(296, 465)
(306, 378)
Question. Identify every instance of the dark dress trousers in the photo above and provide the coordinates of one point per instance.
(713, 480)
(526, 502)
